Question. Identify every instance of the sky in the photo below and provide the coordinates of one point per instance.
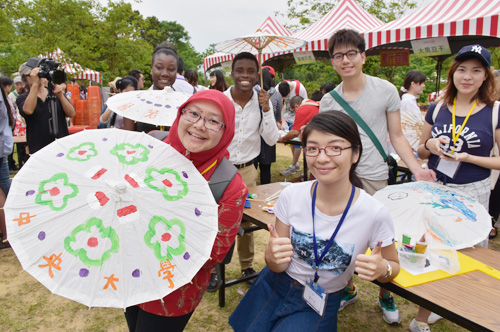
(212, 21)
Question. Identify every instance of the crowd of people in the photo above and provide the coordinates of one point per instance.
(323, 226)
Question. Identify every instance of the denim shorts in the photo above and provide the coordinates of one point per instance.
(274, 303)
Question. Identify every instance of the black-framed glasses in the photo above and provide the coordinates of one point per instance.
(210, 123)
(333, 150)
(351, 55)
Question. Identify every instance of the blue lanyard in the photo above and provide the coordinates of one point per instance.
(317, 260)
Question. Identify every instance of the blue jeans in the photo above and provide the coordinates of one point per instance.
(4, 176)
(274, 303)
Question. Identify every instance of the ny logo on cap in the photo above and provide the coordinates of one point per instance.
(476, 48)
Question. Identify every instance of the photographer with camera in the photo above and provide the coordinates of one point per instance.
(45, 106)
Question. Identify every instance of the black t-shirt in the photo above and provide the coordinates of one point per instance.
(38, 133)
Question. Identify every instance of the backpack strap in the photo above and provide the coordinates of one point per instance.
(161, 135)
(221, 178)
(436, 111)
(297, 87)
(356, 117)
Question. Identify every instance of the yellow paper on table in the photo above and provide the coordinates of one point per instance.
(467, 264)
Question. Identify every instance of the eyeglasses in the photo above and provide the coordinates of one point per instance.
(210, 123)
(314, 151)
(351, 55)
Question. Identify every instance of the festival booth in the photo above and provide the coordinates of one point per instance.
(347, 14)
(73, 69)
(87, 111)
(270, 25)
(439, 29)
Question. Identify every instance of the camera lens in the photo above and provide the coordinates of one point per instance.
(58, 76)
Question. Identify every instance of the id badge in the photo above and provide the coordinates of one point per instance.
(315, 297)
(447, 167)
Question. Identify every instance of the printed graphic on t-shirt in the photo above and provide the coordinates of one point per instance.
(467, 136)
(337, 259)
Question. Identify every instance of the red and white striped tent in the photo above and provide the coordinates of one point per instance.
(73, 69)
(464, 22)
(347, 14)
(270, 25)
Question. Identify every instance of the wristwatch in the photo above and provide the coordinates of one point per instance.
(389, 270)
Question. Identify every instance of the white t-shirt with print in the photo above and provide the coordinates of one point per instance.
(366, 223)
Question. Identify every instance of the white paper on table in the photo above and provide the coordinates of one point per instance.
(426, 269)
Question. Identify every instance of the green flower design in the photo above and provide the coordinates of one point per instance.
(159, 239)
(82, 152)
(130, 154)
(92, 243)
(56, 191)
(168, 182)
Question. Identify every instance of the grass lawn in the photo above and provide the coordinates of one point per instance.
(26, 305)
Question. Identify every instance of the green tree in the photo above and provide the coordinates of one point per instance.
(119, 45)
(175, 34)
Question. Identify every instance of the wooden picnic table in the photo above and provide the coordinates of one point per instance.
(468, 299)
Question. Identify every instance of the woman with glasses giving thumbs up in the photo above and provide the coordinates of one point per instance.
(317, 244)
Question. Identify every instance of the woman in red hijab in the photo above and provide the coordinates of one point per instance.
(202, 132)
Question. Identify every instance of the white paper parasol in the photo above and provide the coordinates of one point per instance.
(111, 218)
(157, 107)
(450, 217)
(411, 125)
(264, 43)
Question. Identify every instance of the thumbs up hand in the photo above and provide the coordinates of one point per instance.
(371, 267)
(279, 250)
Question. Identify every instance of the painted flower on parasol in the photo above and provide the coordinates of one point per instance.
(448, 216)
(157, 107)
(111, 218)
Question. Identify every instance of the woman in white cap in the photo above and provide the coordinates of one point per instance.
(458, 134)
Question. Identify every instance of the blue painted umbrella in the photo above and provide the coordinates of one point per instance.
(111, 218)
(445, 215)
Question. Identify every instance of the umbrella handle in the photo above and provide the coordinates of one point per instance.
(260, 70)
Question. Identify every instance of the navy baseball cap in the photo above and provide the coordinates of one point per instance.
(475, 51)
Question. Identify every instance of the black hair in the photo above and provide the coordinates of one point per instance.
(267, 79)
(317, 95)
(166, 49)
(245, 55)
(5, 81)
(346, 37)
(284, 89)
(192, 77)
(342, 125)
(220, 83)
(413, 76)
(10, 111)
(327, 87)
(180, 65)
(136, 73)
(126, 82)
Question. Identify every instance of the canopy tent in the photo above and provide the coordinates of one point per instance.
(270, 25)
(73, 69)
(442, 18)
(463, 22)
(347, 14)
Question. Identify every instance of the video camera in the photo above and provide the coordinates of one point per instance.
(48, 69)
